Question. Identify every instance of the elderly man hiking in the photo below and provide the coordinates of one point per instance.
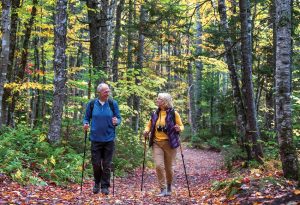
(102, 115)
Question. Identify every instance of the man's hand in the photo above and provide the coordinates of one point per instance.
(146, 134)
(115, 121)
(86, 127)
(177, 128)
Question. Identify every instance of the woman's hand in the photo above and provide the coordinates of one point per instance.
(177, 128)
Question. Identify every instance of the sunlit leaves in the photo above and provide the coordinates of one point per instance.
(28, 85)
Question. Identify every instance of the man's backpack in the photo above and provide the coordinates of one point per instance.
(110, 102)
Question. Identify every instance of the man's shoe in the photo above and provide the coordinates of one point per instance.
(105, 191)
(96, 188)
(163, 192)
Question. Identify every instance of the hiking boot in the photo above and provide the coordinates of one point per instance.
(105, 191)
(163, 192)
(169, 190)
(96, 188)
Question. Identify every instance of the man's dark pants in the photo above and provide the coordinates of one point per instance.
(102, 154)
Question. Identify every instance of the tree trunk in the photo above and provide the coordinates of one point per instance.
(104, 21)
(11, 61)
(283, 90)
(23, 66)
(60, 71)
(139, 67)
(94, 25)
(238, 102)
(199, 67)
(117, 41)
(6, 7)
(130, 46)
(43, 64)
(247, 85)
(191, 93)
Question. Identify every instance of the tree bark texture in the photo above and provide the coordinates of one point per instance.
(283, 89)
(104, 21)
(24, 55)
(199, 67)
(60, 71)
(11, 61)
(139, 67)
(252, 131)
(117, 41)
(94, 29)
(238, 102)
(6, 8)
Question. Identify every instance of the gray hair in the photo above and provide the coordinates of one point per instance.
(101, 86)
(167, 99)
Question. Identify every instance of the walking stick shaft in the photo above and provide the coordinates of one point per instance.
(143, 164)
(187, 181)
(113, 172)
(85, 136)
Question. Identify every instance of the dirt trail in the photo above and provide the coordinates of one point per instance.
(202, 167)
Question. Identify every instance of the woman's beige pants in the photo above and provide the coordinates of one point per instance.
(164, 158)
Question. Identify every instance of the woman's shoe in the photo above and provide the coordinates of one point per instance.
(163, 192)
(169, 190)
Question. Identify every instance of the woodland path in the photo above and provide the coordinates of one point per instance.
(202, 167)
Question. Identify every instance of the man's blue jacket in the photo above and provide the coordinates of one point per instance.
(100, 120)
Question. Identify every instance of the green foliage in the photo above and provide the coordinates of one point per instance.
(230, 187)
(27, 157)
(232, 153)
(270, 144)
(129, 150)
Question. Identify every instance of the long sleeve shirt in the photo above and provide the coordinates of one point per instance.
(100, 120)
(161, 136)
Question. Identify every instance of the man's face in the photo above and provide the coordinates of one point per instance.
(104, 93)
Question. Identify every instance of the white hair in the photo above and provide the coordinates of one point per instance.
(167, 99)
(101, 86)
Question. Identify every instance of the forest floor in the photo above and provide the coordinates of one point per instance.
(209, 183)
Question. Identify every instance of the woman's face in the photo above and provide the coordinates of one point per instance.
(160, 102)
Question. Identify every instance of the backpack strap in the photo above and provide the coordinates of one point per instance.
(110, 102)
(92, 103)
(173, 115)
(111, 105)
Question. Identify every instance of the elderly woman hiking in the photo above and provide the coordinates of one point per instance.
(164, 127)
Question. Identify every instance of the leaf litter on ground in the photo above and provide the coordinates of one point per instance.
(209, 184)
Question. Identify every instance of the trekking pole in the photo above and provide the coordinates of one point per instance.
(143, 164)
(187, 181)
(113, 172)
(85, 136)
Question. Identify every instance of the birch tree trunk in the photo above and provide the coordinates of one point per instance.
(11, 61)
(283, 89)
(6, 7)
(252, 131)
(60, 71)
